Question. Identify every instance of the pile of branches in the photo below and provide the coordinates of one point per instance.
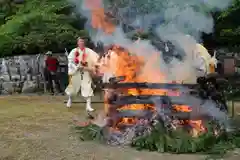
(155, 135)
(177, 141)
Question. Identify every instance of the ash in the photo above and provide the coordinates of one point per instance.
(206, 101)
(125, 137)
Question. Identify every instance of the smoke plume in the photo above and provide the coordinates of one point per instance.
(171, 20)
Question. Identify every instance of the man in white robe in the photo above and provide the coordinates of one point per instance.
(203, 63)
(108, 65)
(82, 63)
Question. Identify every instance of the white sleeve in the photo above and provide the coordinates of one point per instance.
(71, 65)
(200, 65)
(94, 56)
(71, 56)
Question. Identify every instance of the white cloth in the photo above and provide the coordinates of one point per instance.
(199, 65)
(81, 80)
(109, 62)
(106, 77)
(202, 60)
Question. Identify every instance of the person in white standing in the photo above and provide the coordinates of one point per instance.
(201, 60)
(82, 63)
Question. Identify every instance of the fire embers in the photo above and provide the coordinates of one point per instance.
(137, 99)
(132, 114)
(134, 102)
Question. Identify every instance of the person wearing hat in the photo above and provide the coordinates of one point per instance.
(82, 63)
(52, 65)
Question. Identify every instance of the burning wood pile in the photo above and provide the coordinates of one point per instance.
(137, 107)
(142, 108)
(134, 100)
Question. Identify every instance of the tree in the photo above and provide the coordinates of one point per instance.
(37, 26)
(33, 26)
(227, 22)
(227, 26)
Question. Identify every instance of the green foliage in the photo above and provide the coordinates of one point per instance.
(227, 30)
(232, 92)
(178, 142)
(37, 26)
(7, 8)
(89, 132)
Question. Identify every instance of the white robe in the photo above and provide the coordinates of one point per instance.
(203, 60)
(109, 64)
(81, 80)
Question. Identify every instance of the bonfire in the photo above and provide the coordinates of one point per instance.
(143, 109)
(138, 107)
(136, 98)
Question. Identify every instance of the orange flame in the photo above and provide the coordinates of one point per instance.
(134, 68)
(98, 17)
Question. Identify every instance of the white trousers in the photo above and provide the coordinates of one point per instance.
(80, 82)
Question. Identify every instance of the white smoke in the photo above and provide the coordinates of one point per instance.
(172, 21)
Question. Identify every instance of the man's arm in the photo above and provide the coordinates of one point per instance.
(93, 60)
(201, 67)
(71, 56)
(94, 56)
(71, 64)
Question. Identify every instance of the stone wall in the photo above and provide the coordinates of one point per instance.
(25, 74)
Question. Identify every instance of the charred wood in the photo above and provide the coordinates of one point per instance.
(147, 114)
(114, 80)
(152, 99)
(150, 86)
(134, 113)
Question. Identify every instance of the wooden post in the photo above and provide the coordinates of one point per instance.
(38, 71)
(233, 108)
(44, 82)
(9, 71)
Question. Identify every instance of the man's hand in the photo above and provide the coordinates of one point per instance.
(79, 67)
(87, 69)
(84, 68)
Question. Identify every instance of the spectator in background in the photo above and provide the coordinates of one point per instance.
(52, 65)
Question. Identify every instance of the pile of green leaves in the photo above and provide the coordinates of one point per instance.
(177, 142)
(89, 132)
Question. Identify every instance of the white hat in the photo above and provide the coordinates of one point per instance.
(49, 53)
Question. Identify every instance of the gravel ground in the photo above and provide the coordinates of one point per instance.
(40, 128)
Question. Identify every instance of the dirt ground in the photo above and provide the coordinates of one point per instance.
(39, 128)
